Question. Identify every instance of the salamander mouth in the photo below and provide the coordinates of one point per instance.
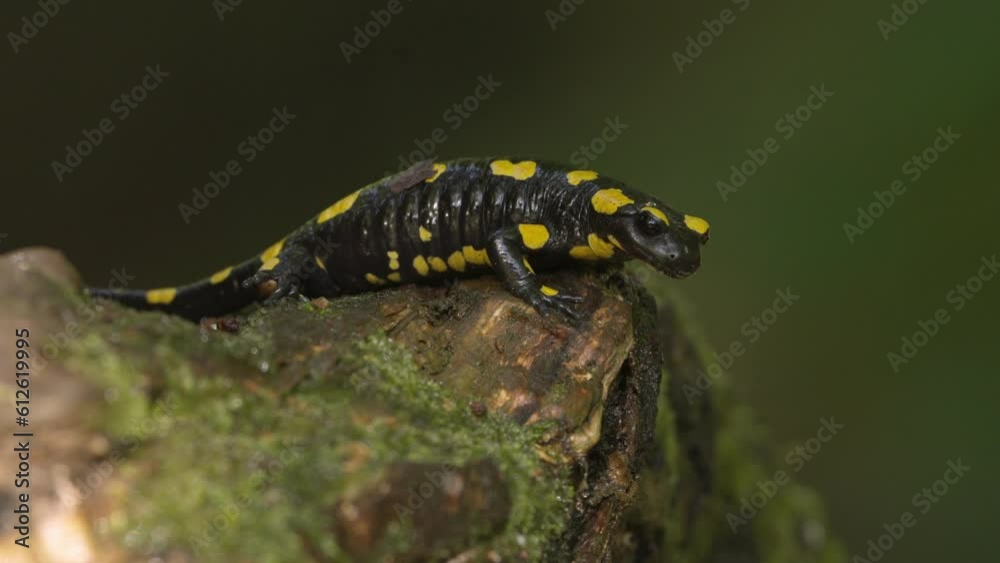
(679, 273)
(676, 270)
(671, 268)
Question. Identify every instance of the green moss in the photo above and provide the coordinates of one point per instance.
(247, 474)
(437, 427)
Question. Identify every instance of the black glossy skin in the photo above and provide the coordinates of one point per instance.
(466, 206)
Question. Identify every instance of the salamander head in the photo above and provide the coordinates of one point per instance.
(662, 237)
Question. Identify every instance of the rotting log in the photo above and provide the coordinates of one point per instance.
(420, 423)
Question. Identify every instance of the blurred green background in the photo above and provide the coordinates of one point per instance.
(824, 357)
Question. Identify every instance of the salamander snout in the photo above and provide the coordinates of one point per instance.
(681, 259)
(665, 239)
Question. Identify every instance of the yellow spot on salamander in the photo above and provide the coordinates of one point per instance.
(269, 264)
(395, 277)
(534, 236)
(220, 276)
(437, 264)
(615, 242)
(583, 253)
(272, 251)
(696, 224)
(657, 213)
(425, 235)
(596, 249)
(527, 265)
(338, 208)
(438, 170)
(608, 201)
(475, 257)
(549, 291)
(320, 263)
(393, 259)
(162, 296)
(601, 248)
(577, 176)
(456, 261)
(374, 280)
(420, 265)
(519, 171)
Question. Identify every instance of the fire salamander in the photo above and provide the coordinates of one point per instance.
(443, 219)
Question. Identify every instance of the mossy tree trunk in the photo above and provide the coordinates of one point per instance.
(413, 424)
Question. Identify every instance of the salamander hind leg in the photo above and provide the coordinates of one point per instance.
(291, 271)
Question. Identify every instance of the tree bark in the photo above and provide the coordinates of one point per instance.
(418, 423)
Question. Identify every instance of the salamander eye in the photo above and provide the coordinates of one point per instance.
(651, 225)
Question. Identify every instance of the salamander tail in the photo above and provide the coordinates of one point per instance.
(216, 295)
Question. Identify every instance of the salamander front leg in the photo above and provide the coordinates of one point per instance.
(507, 255)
